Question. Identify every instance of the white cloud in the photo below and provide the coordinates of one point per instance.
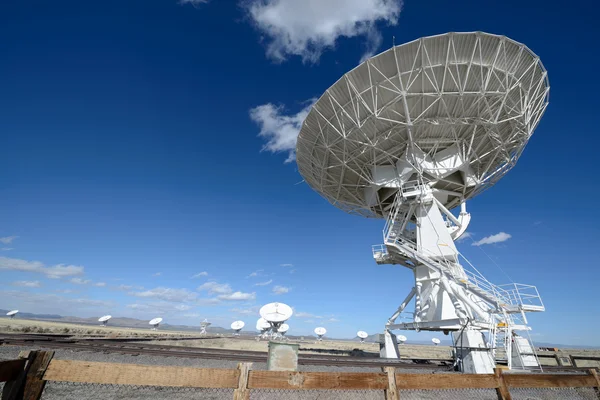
(66, 291)
(50, 303)
(464, 236)
(157, 274)
(32, 284)
(54, 272)
(246, 311)
(167, 294)
(194, 3)
(127, 287)
(286, 265)
(6, 249)
(79, 281)
(278, 129)
(100, 284)
(200, 274)
(215, 288)
(307, 28)
(333, 320)
(7, 239)
(280, 289)
(301, 314)
(264, 283)
(237, 296)
(292, 271)
(256, 273)
(497, 238)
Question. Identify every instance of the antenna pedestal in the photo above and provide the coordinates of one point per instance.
(388, 345)
(419, 234)
(472, 352)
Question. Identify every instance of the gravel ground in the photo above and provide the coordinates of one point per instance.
(76, 391)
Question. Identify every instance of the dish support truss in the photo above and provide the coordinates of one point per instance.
(484, 318)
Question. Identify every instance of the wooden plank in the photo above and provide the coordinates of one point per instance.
(445, 381)
(35, 383)
(593, 373)
(549, 380)
(502, 390)
(242, 392)
(143, 375)
(11, 369)
(391, 392)
(13, 389)
(316, 380)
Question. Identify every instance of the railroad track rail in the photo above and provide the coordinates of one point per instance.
(109, 346)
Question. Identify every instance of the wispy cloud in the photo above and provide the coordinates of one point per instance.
(127, 287)
(464, 236)
(79, 281)
(167, 294)
(200, 275)
(264, 283)
(307, 28)
(215, 288)
(492, 239)
(246, 311)
(302, 314)
(30, 284)
(7, 239)
(237, 296)
(279, 129)
(6, 249)
(256, 273)
(195, 3)
(54, 272)
(286, 265)
(333, 320)
(157, 274)
(100, 284)
(49, 302)
(280, 289)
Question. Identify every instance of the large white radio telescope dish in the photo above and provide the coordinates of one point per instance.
(283, 328)
(12, 313)
(453, 111)
(276, 312)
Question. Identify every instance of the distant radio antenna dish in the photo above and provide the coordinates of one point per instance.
(237, 327)
(320, 331)
(155, 323)
(362, 335)
(283, 330)
(401, 339)
(263, 326)
(12, 313)
(436, 341)
(276, 314)
(104, 320)
(203, 325)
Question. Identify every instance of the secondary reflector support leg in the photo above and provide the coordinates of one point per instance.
(388, 345)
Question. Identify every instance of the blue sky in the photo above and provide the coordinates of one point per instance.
(146, 142)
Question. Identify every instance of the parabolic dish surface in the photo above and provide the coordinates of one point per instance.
(454, 111)
(155, 321)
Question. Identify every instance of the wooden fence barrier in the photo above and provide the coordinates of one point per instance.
(25, 378)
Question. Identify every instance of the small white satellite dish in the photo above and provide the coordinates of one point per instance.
(203, 325)
(155, 322)
(237, 327)
(263, 326)
(283, 328)
(436, 341)
(12, 313)
(401, 339)
(320, 331)
(362, 335)
(104, 319)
